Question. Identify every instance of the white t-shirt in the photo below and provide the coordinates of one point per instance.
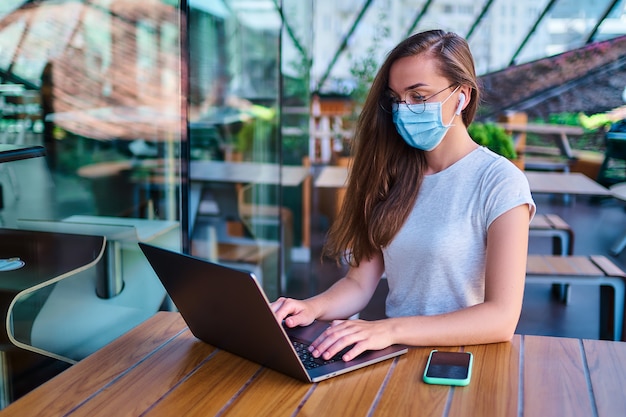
(436, 262)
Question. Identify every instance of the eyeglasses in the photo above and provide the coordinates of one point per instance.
(413, 100)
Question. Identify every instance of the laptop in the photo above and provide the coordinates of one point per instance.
(226, 307)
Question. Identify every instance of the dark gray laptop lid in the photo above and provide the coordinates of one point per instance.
(226, 308)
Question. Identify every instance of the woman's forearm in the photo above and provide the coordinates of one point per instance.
(483, 323)
(342, 300)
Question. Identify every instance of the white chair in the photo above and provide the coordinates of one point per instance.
(74, 321)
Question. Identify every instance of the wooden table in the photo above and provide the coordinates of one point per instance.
(573, 183)
(247, 172)
(208, 170)
(202, 172)
(332, 177)
(205, 172)
(569, 183)
(566, 184)
(160, 369)
(557, 133)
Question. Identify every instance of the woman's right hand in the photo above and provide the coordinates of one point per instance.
(293, 312)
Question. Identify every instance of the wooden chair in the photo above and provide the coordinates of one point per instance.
(562, 235)
(553, 226)
(225, 232)
(592, 270)
(260, 219)
(331, 199)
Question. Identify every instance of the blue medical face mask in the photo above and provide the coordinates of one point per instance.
(423, 130)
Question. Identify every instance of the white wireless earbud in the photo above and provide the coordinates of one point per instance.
(461, 103)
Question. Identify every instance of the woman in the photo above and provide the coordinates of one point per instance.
(444, 219)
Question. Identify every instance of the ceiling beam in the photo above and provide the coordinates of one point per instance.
(532, 31)
(291, 33)
(418, 17)
(480, 17)
(343, 44)
(606, 14)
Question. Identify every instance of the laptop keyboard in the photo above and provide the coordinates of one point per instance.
(307, 358)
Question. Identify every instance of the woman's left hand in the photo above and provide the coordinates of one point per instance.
(364, 335)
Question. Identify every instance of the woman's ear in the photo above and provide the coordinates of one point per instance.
(464, 98)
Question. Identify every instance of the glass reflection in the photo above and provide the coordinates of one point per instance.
(249, 210)
(564, 26)
(98, 84)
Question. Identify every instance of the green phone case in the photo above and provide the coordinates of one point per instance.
(451, 380)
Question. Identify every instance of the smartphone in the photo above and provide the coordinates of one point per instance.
(449, 368)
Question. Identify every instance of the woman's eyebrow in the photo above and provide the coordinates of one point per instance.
(409, 88)
(414, 86)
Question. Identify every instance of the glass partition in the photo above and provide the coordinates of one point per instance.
(248, 124)
(98, 84)
(613, 24)
(566, 25)
(502, 30)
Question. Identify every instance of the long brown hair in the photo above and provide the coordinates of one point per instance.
(385, 172)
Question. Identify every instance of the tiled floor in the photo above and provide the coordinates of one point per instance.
(597, 226)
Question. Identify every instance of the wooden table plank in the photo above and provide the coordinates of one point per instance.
(206, 391)
(608, 382)
(540, 221)
(574, 183)
(351, 394)
(554, 378)
(62, 393)
(406, 394)
(271, 394)
(556, 221)
(147, 381)
(487, 396)
(558, 265)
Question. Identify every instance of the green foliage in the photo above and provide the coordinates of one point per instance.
(259, 132)
(595, 121)
(493, 137)
(566, 118)
(363, 69)
(594, 126)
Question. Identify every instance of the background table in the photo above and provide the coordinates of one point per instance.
(573, 183)
(247, 172)
(556, 133)
(160, 369)
(332, 177)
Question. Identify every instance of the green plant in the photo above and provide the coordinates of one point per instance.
(363, 69)
(257, 132)
(493, 137)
